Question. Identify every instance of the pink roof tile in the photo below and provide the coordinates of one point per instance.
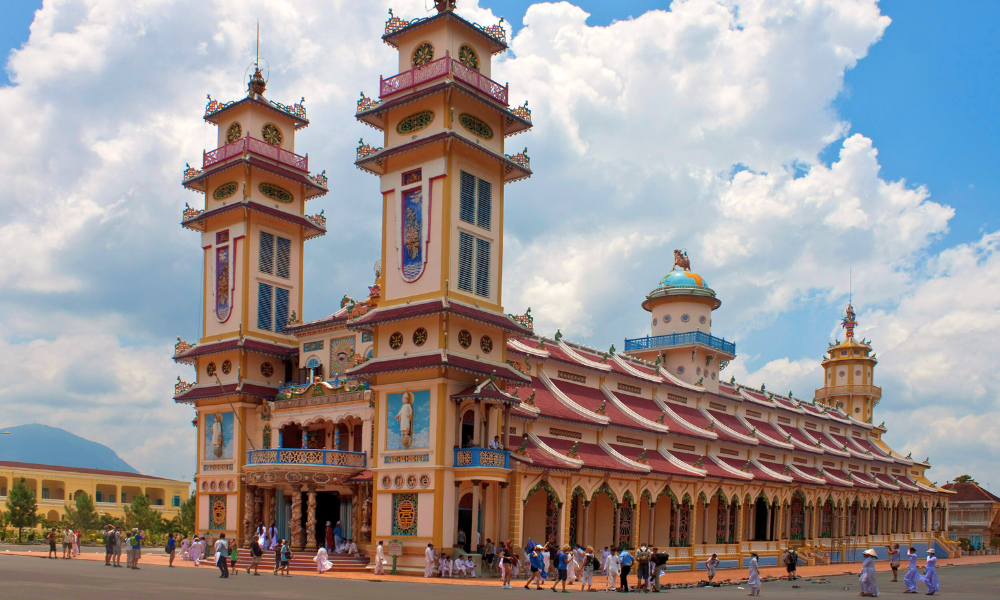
(591, 454)
(592, 399)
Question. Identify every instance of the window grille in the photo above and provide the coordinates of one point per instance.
(284, 257)
(264, 306)
(467, 206)
(484, 205)
(266, 262)
(465, 261)
(482, 268)
(280, 309)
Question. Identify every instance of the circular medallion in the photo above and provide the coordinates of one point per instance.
(204, 486)
(713, 375)
(210, 369)
(476, 126)
(464, 338)
(423, 54)
(857, 410)
(411, 481)
(666, 318)
(654, 321)
(486, 344)
(419, 336)
(857, 373)
(234, 132)
(406, 513)
(843, 374)
(467, 56)
(398, 481)
(685, 318)
(415, 122)
(266, 369)
(227, 366)
(225, 190)
(680, 369)
(698, 371)
(396, 341)
(386, 481)
(213, 485)
(701, 320)
(425, 480)
(321, 478)
(276, 193)
(230, 485)
(271, 133)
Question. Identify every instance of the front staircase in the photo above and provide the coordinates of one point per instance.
(303, 561)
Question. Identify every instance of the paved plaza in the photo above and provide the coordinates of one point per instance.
(25, 577)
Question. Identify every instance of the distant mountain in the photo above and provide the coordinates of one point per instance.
(53, 446)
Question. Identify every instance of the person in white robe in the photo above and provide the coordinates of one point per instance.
(470, 568)
(612, 566)
(930, 577)
(185, 549)
(379, 560)
(754, 579)
(429, 560)
(869, 587)
(910, 579)
(273, 536)
(196, 550)
(352, 548)
(444, 566)
(322, 561)
(604, 558)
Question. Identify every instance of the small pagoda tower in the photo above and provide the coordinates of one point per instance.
(849, 368)
(440, 334)
(681, 339)
(253, 190)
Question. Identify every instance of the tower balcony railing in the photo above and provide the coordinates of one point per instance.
(255, 146)
(680, 339)
(294, 456)
(481, 457)
(437, 69)
(849, 390)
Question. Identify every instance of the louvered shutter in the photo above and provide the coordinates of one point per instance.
(485, 204)
(482, 267)
(266, 253)
(280, 309)
(284, 256)
(465, 261)
(467, 202)
(264, 306)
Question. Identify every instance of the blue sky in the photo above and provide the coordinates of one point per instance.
(859, 143)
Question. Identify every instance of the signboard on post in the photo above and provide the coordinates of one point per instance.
(395, 550)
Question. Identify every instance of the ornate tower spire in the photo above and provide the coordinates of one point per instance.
(849, 322)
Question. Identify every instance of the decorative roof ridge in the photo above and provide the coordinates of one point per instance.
(660, 427)
(671, 379)
(569, 403)
(678, 462)
(791, 438)
(622, 458)
(665, 407)
(845, 447)
(572, 352)
(395, 26)
(793, 467)
(779, 443)
(576, 462)
(525, 349)
(746, 438)
(625, 365)
(770, 472)
(727, 467)
(296, 112)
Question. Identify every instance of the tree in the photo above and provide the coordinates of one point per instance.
(140, 514)
(21, 507)
(965, 479)
(185, 520)
(84, 517)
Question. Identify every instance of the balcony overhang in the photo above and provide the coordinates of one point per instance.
(296, 466)
(375, 161)
(725, 350)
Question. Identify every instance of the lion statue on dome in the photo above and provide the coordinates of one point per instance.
(681, 260)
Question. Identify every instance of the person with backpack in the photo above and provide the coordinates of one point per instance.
(255, 553)
(117, 533)
(286, 557)
(171, 549)
(136, 545)
(791, 562)
(642, 556)
(109, 544)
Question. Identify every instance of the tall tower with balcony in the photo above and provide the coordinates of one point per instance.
(253, 190)
(681, 339)
(439, 331)
(848, 370)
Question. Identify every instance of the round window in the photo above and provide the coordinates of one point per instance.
(857, 410)
(464, 338)
(271, 133)
(396, 341)
(423, 54)
(843, 374)
(467, 56)
(713, 376)
(210, 369)
(266, 369)
(702, 320)
(234, 132)
(666, 318)
(227, 366)
(654, 321)
(486, 344)
(680, 369)
(419, 336)
(857, 373)
(685, 318)
(698, 370)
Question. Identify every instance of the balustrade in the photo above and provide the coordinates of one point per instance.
(482, 457)
(259, 147)
(678, 339)
(293, 456)
(437, 69)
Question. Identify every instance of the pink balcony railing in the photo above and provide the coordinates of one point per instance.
(259, 147)
(441, 68)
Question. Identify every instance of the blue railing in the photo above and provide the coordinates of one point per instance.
(295, 456)
(482, 457)
(678, 339)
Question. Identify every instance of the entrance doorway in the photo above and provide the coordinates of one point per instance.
(468, 429)
(327, 509)
(465, 520)
(760, 522)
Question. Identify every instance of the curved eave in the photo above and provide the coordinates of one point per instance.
(374, 116)
(213, 117)
(309, 228)
(199, 181)
(374, 163)
(689, 293)
(496, 46)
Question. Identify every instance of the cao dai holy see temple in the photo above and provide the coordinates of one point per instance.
(381, 415)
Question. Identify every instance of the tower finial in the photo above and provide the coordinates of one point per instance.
(849, 322)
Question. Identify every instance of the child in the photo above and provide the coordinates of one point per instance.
(233, 555)
(286, 557)
(613, 568)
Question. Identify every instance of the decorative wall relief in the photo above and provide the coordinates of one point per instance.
(409, 420)
(412, 235)
(223, 298)
(341, 353)
(217, 511)
(404, 514)
(218, 436)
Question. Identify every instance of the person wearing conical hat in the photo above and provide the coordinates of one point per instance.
(930, 577)
(869, 587)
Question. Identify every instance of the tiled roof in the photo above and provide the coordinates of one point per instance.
(403, 312)
(550, 406)
(592, 400)
(591, 454)
(969, 492)
(258, 346)
(539, 457)
(707, 464)
(36, 466)
(214, 391)
(408, 363)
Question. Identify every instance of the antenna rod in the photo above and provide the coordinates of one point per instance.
(257, 62)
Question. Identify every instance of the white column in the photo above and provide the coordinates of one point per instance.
(474, 528)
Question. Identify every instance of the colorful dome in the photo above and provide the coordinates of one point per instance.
(683, 279)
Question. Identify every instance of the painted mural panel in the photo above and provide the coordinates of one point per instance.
(408, 420)
(223, 298)
(217, 511)
(218, 436)
(413, 234)
(341, 353)
(404, 514)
